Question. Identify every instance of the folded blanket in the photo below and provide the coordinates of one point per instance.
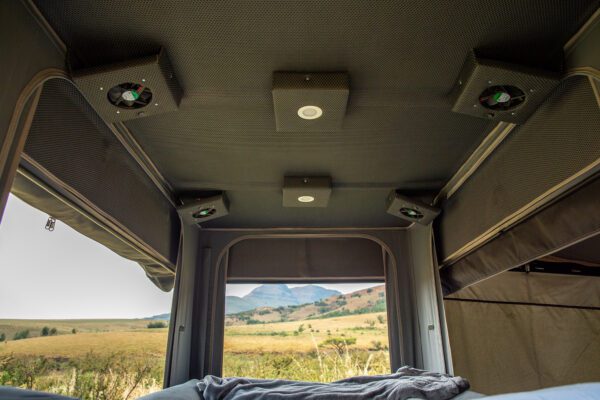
(405, 383)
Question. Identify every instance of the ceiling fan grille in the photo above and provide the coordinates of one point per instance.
(130, 95)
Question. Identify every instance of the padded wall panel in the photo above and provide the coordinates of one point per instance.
(561, 139)
(19, 63)
(306, 259)
(68, 139)
(568, 221)
(504, 348)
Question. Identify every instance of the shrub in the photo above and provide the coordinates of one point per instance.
(254, 322)
(53, 332)
(376, 345)
(370, 322)
(370, 290)
(381, 319)
(2, 337)
(339, 343)
(156, 324)
(45, 331)
(21, 335)
(301, 328)
(73, 331)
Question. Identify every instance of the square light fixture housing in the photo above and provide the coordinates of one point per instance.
(299, 191)
(201, 210)
(310, 102)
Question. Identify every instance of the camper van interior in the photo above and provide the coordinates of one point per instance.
(344, 199)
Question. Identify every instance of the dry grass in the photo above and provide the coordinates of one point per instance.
(121, 359)
(135, 343)
(257, 338)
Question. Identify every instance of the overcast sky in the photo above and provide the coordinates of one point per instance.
(63, 274)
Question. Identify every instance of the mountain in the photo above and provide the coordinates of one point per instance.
(276, 295)
(163, 317)
(312, 293)
(271, 295)
(234, 304)
(365, 301)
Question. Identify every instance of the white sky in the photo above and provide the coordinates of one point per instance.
(63, 274)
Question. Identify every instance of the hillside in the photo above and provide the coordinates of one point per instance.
(359, 302)
(276, 295)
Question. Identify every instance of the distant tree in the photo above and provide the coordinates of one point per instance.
(370, 290)
(156, 324)
(73, 331)
(2, 337)
(45, 331)
(53, 332)
(21, 335)
(339, 343)
(301, 328)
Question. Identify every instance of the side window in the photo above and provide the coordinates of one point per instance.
(75, 318)
(317, 332)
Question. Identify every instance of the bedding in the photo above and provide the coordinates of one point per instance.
(406, 383)
(7, 392)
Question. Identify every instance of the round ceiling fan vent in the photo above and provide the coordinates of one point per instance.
(411, 213)
(130, 96)
(502, 98)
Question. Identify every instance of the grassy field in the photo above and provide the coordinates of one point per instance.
(123, 359)
(320, 350)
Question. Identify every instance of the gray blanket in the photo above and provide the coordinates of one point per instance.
(404, 384)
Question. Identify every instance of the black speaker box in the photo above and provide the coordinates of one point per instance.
(501, 91)
(152, 77)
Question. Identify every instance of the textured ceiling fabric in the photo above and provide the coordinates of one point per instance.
(403, 59)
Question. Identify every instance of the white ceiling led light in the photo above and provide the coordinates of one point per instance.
(306, 199)
(310, 112)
